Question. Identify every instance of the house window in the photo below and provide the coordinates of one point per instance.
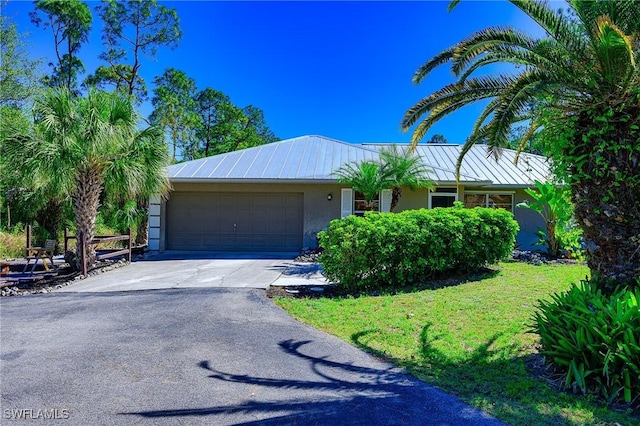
(360, 204)
(442, 197)
(490, 199)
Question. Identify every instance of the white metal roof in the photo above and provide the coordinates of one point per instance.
(312, 159)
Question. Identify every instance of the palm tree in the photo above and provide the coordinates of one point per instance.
(403, 169)
(584, 79)
(366, 177)
(87, 147)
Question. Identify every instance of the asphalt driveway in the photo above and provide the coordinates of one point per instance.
(197, 356)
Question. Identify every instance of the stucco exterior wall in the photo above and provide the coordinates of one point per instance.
(413, 200)
(529, 221)
(318, 211)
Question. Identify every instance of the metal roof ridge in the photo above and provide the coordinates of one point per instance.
(337, 141)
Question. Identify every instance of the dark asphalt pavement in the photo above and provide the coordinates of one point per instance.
(196, 356)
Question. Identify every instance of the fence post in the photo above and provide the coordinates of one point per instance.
(28, 249)
(129, 246)
(66, 235)
(83, 254)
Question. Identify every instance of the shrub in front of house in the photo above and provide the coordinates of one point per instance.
(593, 339)
(400, 249)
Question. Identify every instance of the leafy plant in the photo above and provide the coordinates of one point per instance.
(553, 204)
(403, 169)
(366, 177)
(12, 242)
(396, 250)
(123, 217)
(570, 240)
(396, 169)
(594, 338)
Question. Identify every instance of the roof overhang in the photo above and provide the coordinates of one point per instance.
(271, 181)
(320, 181)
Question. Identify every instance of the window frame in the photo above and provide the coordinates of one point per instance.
(355, 200)
(486, 198)
(435, 192)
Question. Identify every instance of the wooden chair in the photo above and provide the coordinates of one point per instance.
(44, 253)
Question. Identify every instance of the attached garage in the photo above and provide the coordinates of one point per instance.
(229, 221)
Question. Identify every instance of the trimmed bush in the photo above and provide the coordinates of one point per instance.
(399, 249)
(594, 339)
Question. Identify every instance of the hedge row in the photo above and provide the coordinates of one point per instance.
(399, 249)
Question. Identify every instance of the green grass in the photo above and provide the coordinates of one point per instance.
(471, 340)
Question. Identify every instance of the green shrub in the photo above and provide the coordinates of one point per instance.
(13, 242)
(594, 339)
(399, 249)
(570, 241)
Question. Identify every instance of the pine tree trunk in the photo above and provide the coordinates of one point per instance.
(86, 201)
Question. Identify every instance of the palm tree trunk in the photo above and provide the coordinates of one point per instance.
(143, 226)
(554, 247)
(396, 193)
(607, 201)
(86, 201)
(611, 231)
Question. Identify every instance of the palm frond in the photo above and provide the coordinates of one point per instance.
(452, 4)
(364, 177)
(469, 91)
(486, 41)
(570, 38)
(426, 68)
(625, 13)
(590, 55)
(524, 140)
(614, 50)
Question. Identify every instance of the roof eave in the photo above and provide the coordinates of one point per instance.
(240, 180)
(509, 186)
(308, 181)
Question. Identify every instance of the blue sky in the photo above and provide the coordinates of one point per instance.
(337, 69)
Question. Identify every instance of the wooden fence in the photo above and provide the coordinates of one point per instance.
(105, 253)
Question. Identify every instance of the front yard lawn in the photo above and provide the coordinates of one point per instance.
(470, 340)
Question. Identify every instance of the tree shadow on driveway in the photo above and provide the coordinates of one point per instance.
(337, 393)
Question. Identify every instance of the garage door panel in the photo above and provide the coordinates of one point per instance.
(235, 221)
(260, 200)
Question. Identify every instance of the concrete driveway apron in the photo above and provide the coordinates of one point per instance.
(193, 270)
(197, 356)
